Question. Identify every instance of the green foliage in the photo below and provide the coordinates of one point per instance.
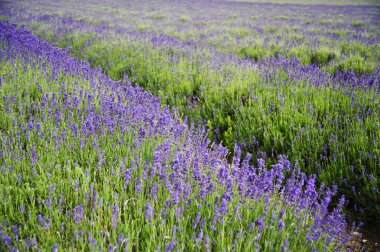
(270, 29)
(325, 22)
(184, 18)
(357, 64)
(156, 15)
(240, 32)
(142, 27)
(340, 32)
(322, 56)
(307, 21)
(357, 23)
(253, 52)
(228, 135)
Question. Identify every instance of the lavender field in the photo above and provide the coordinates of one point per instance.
(173, 125)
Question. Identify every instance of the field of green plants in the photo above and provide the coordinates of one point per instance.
(176, 125)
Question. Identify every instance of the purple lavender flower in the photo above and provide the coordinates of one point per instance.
(6, 239)
(281, 213)
(280, 224)
(115, 216)
(149, 211)
(142, 132)
(196, 220)
(48, 202)
(153, 191)
(15, 231)
(223, 207)
(170, 246)
(111, 248)
(285, 244)
(138, 185)
(261, 163)
(78, 213)
(31, 242)
(127, 176)
(93, 200)
(55, 248)
(120, 238)
(259, 223)
(199, 236)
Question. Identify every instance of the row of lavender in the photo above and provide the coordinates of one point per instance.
(68, 25)
(340, 37)
(89, 163)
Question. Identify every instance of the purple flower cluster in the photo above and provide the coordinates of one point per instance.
(316, 76)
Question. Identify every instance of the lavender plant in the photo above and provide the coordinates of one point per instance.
(88, 163)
